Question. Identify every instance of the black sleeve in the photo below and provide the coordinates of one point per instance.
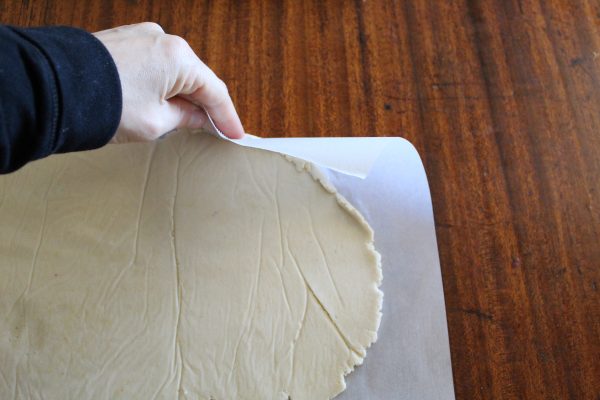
(59, 92)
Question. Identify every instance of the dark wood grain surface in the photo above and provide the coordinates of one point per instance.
(502, 100)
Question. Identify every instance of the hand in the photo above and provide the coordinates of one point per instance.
(165, 85)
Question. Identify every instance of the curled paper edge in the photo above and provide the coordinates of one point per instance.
(353, 156)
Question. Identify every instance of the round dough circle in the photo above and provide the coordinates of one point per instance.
(186, 268)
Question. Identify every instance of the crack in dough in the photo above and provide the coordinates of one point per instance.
(189, 268)
(177, 354)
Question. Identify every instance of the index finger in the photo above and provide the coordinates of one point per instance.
(210, 92)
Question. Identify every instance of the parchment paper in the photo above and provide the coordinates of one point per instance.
(353, 156)
(385, 180)
(411, 358)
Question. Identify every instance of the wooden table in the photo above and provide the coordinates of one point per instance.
(502, 100)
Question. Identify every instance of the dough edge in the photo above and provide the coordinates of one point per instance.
(318, 176)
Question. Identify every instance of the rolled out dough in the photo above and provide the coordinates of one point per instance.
(186, 268)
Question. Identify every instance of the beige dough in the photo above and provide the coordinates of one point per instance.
(188, 268)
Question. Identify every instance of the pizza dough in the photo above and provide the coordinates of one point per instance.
(186, 268)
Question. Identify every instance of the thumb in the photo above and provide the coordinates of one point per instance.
(180, 113)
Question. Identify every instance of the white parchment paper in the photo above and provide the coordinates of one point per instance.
(350, 155)
(385, 180)
(411, 358)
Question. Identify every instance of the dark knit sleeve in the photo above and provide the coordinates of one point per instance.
(59, 92)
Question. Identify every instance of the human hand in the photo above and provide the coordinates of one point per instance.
(165, 85)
